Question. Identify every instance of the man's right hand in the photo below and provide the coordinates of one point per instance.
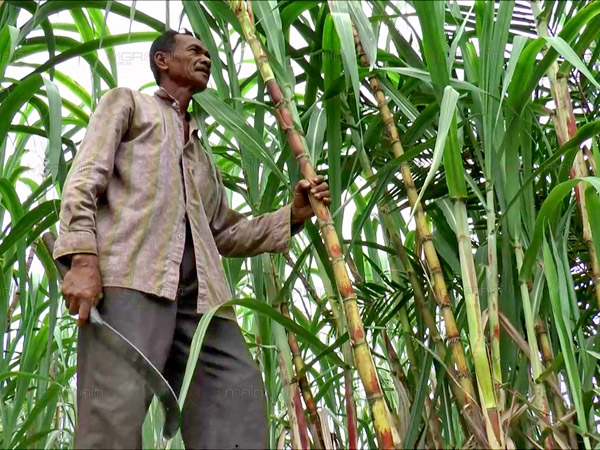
(82, 286)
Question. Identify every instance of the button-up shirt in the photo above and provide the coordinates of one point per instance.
(124, 201)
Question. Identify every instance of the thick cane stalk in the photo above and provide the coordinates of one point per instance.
(566, 127)
(492, 294)
(350, 404)
(340, 327)
(362, 354)
(556, 398)
(311, 407)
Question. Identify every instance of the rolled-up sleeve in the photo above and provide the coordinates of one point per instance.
(90, 173)
(238, 236)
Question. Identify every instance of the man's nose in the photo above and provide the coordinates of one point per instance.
(206, 60)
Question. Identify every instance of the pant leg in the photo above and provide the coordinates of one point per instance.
(225, 406)
(112, 399)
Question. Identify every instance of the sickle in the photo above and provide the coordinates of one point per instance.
(132, 356)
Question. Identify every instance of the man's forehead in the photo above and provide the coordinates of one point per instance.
(186, 39)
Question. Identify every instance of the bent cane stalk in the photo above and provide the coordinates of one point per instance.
(362, 354)
(309, 400)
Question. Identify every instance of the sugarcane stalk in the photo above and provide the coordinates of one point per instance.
(362, 354)
(439, 284)
(393, 239)
(540, 401)
(566, 127)
(476, 334)
(557, 400)
(350, 404)
(309, 400)
(339, 326)
(492, 295)
(298, 426)
(403, 390)
(314, 423)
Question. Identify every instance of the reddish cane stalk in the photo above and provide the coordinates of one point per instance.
(309, 400)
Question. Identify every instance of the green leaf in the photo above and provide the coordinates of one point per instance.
(567, 52)
(447, 111)
(55, 131)
(343, 26)
(233, 121)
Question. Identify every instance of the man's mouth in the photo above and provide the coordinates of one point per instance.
(203, 69)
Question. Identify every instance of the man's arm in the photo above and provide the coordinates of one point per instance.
(238, 236)
(90, 172)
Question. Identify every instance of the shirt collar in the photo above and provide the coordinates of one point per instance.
(163, 94)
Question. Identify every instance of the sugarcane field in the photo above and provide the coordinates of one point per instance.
(300, 224)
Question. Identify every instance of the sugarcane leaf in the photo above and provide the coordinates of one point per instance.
(343, 26)
(315, 134)
(557, 290)
(55, 128)
(15, 99)
(267, 14)
(592, 200)
(567, 52)
(416, 412)
(96, 44)
(197, 17)
(232, 119)
(423, 75)
(292, 10)
(8, 38)
(447, 111)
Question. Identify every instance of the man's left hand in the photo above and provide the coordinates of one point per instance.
(301, 209)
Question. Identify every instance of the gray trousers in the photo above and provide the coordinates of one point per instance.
(225, 406)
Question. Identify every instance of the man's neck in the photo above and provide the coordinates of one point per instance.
(180, 93)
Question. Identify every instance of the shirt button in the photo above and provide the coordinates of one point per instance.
(180, 236)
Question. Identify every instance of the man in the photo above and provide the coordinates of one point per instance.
(144, 216)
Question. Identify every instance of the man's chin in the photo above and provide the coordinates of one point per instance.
(199, 87)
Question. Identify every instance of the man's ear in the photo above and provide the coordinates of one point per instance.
(161, 59)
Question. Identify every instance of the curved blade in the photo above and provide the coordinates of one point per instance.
(132, 355)
(144, 367)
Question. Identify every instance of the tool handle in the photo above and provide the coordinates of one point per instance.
(49, 240)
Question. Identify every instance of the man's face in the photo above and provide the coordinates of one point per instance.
(189, 63)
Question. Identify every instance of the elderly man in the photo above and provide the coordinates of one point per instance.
(144, 217)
